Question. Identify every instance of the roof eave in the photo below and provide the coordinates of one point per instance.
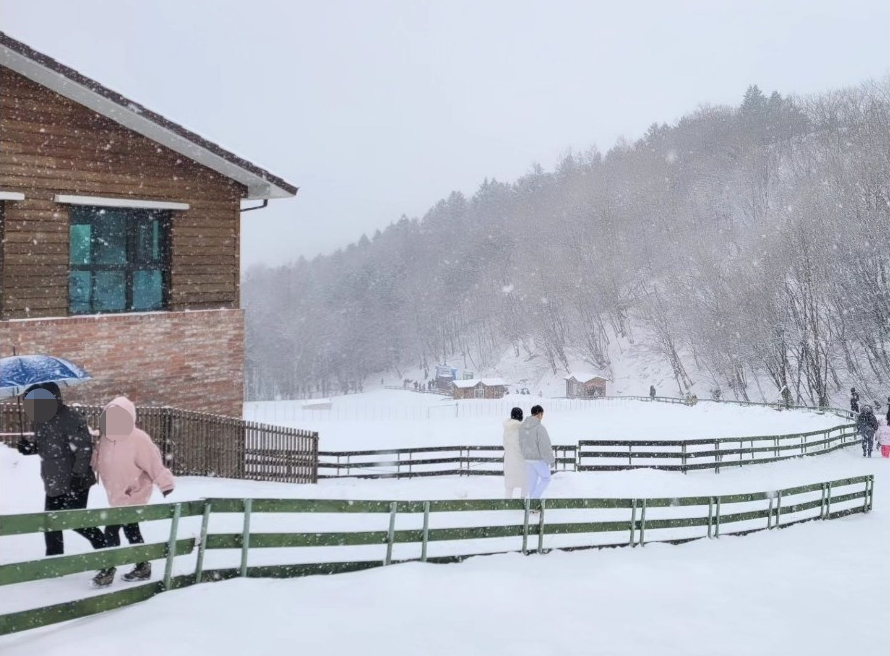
(260, 184)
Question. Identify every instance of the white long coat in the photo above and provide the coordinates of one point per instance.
(514, 463)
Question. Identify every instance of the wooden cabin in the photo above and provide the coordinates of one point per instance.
(479, 388)
(119, 239)
(585, 386)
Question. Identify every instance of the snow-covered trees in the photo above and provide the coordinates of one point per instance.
(755, 240)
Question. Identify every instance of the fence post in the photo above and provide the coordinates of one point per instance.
(710, 516)
(629, 457)
(426, 530)
(643, 525)
(769, 515)
(683, 456)
(717, 520)
(525, 529)
(171, 545)
(245, 536)
(202, 544)
(822, 503)
(778, 508)
(541, 529)
(828, 502)
(717, 456)
(391, 532)
(633, 522)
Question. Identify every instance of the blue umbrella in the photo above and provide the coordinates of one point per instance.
(19, 372)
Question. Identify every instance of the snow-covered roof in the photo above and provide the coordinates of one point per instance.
(585, 378)
(67, 82)
(488, 382)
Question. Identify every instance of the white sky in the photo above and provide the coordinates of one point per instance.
(379, 108)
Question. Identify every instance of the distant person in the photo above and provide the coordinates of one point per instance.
(786, 397)
(652, 392)
(854, 400)
(129, 464)
(534, 442)
(515, 474)
(882, 438)
(888, 409)
(866, 425)
(63, 442)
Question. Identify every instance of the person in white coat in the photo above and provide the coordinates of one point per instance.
(514, 464)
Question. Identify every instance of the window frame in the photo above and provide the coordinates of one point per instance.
(133, 219)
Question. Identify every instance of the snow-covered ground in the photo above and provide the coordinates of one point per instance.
(396, 418)
(816, 588)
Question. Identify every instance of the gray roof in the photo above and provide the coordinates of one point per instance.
(67, 82)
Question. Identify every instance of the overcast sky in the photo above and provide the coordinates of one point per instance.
(379, 108)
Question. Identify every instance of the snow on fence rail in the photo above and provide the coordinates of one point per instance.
(388, 532)
(589, 455)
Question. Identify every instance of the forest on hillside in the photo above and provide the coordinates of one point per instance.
(752, 241)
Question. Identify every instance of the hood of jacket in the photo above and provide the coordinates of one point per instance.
(530, 423)
(126, 404)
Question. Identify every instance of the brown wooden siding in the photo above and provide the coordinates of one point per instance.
(51, 145)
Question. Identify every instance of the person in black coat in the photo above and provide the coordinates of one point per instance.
(65, 446)
(866, 425)
(854, 400)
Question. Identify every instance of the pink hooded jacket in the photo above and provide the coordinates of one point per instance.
(128, 465)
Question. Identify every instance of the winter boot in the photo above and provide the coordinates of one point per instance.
(104, 578)
(142, 572)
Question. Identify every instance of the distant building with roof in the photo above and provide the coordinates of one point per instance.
(585, 386)
(479, 388)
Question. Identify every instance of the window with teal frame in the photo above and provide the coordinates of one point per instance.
(118, 260)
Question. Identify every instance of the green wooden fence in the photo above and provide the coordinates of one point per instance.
(523, 526)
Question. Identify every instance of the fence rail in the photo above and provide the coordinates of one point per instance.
(201, 444)
(589, 455)
(406, 531)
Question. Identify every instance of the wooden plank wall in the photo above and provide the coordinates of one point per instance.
(51, 145)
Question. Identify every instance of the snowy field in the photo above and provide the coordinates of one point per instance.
(395, 418)
(811, 589)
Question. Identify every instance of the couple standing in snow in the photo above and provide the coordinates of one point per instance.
(528, 454)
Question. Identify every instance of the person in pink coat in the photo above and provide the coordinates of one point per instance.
(882, 437)
(128, 465)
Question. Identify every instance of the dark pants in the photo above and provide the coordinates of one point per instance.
(131, 531)
(55, 544)
(867, 444)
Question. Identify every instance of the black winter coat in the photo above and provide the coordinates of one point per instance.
(65, 447)
(866, 424)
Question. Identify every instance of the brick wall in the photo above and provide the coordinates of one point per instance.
(190, 360)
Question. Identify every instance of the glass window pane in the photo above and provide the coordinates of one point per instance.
(147, 290)
(110, 237)
(148, 242)
(79, 243)
(110, 291)
(79, 292)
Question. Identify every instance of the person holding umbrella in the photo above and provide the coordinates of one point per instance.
(65, 446)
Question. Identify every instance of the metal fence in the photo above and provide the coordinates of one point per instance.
(399, 531)
(201, 444)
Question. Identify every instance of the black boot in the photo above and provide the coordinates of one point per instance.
(104, 578)
(142, 572)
